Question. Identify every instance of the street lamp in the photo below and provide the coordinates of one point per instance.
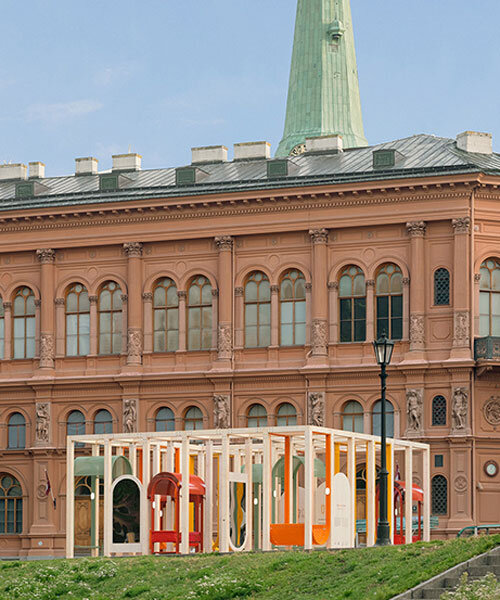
(383, 353)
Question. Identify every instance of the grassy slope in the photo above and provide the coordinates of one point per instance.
(373, 573)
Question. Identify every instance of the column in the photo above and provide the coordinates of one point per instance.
(133, 250)
(370, 311)
(47, 256)
(275, 316)
(93, 325)
(406, 308)
(416, 231)
(147, 299)
(333, 292)
(60, 327)
(477, 281)
(7, 354)
(319, 238)
(239, 317)
(182, 320)
(224, 245)
(461, 301)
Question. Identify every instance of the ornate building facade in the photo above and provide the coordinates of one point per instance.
(247, 293)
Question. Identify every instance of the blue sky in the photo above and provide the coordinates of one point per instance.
(160, 76)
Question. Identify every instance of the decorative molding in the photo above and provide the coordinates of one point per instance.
(461, 329)
(133, 249)
(416, 228)
(222, 411)
(38, 302)
(93, 299)
(414, 410)
(124, 298)
(182, 295)
(47, 350)
(319, 236)
(316, 409)
(46, 255)
(59, 301)
(275, 289)
(224, 342)
(417, 332)
(42, 427)
(491, 410)
(333, 285)
(459, 409)
(215, 293)
(7, 305)
(460, 484)
(477, 277)
(461, 225)
(308, 286)
(130, 406)
(370, 283)
(406, 281)
(224, 242)
(319, 337)
(148, 296)
(239, 291)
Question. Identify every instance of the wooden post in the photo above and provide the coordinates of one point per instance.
(308, 484)
(351, 472)
(390, 489)
(224, 516)
(330, 441)
(427, 494)
(249, 494)
(156, 460)
(108, 498)
(266, 493)
(371, 479)
(209, 497)
(70, 499)
(408, 495)
(95, 507)
(184, 500)
(145, 520)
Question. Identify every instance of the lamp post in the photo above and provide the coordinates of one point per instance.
(383, 353)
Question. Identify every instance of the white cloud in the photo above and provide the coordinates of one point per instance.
(61, 111)
(114, 74)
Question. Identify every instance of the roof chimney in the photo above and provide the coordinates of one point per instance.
(37, 170)
(325, 143)
(127, 162)
(208, 154)
(252, 151)
(17, 171)
(474, 141)
(86, 166)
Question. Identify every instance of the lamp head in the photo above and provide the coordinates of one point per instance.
(383, 348)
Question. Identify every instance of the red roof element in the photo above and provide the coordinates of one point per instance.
(418, 492)
(169, 484)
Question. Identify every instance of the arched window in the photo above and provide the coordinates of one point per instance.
(17, 431)
(24, 323)
(11, 504)
(377, 418)
(193, 419)
(257, 416)
(441, 287)
(389, 292)
(352, 417)
(110, 318)
(489, 298)
(293, 308)
(75, 425)
(439, 487)
(2, 329)
(286, 415)
(352, 300)
(165, 420)
(257, 311)
(77, 320)
(103, 422)
(166, 316)
(200, 314)
(439, 411)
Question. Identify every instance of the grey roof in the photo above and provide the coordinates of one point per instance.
(421, 155)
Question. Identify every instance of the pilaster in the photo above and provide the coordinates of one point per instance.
(461, 301)
(416, 231)
(47, 256)
(224, 246)
(319, 321)
(133, 251)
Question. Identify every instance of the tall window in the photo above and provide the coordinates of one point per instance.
(166, 316)
(257, 311)
(439, 491)
(77, 321)
(352, 417)
(17, 431)
(75, 425)
(103, 422)
(439, 411)
(352, 299)
(293, 308)
(2, 329)
(441, 287)
(193, 419)
(200, 314)
(489, 298)
(389, 291)
(11, 504)
(377, 418)
(257, 416)
(165, 420)
(110, 318)
(24, 323)
(286, 415)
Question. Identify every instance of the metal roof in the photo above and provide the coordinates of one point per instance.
(419, 156)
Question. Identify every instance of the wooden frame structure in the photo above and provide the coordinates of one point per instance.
(225, 458)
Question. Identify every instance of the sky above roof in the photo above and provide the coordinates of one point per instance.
(158, 77)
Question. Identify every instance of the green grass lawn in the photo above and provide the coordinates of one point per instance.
(377, 573)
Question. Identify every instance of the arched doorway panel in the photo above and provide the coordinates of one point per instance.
(127, 516)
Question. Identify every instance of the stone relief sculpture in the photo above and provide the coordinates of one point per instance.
(224, 342)
(491, 411)
(46, 350)
(417, 330)
(222, 411)
(460, 408)
(129, 415)
(317, 409)
(319, 336)
(414, 409)
(42, 421)
(462, 329)
(134, 344)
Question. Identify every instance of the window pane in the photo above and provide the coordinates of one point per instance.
(207, 317)
(194, 339)
(194, 318)
(359, 285)
(360, 331)
(117, 343)
(345, 309)
(251, 291)
(287, 312)
(159, 296)
(484, 303)
(30, 327)
(117, 299)
(172, 297)
(495, 304)
(360, 308)
(105, 343)
(484, 325)
(265, 291)
(251, 336)
(206, 294)
(84, 344)
(71, 324)
(84, 302)
(117, 322)
(172, 341)
(159, 317)
(345, 331)
(251, 314)
(264, 314)
(496, 279)
(173, 318)
(105, 322)
(207, 339)
(286, 290)
(345, 286)
(159, 341)
(300, 312)
(495, 326)
(300, 289)
(265, 336)
(71, 302)
(71, 345)
(286, 335)
(105, 300)
(383, 284)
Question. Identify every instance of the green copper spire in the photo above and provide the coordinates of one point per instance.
(323, 96)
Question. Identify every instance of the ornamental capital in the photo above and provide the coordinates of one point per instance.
(319, 236)
(46, 255)
(93, 299)
(461, 225)
(333, 285)
(370, 283)
(416, 228)
(308, 286)
(182, 295)
(38, 302)
(124, 298)
(406, 281)
(7, 305)
(238, 291)
(59, 301)
(224, 242)
(477, 277)
(275, 289)
(132, 249)
(215, 293)
(147, 296)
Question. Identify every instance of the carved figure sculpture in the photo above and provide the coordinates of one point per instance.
(460, 408)
(42, 422)
(129, 415)
(317, 409)
(414, 409)
(222, 411)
